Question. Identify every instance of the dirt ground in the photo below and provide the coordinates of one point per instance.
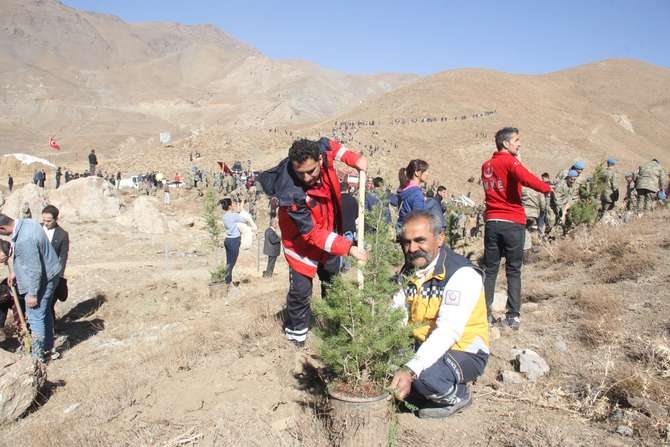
(151, 359)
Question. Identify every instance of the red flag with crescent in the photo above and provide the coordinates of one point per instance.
(53, 144)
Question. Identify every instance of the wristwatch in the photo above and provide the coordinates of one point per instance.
(412, 374)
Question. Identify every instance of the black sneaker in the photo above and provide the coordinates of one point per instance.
(513, 323)
(448, 410)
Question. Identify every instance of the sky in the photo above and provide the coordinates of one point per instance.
(425, 37)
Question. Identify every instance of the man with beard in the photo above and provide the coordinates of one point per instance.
(310, 219)
(443, 296)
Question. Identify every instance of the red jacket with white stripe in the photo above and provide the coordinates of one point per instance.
(310, 219)
(502, 178)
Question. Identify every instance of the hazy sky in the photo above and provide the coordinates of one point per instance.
(421, 36)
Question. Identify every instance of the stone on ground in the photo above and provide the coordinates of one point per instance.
(531, 364)
(19, 383)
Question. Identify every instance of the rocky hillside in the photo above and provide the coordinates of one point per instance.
(92, 78)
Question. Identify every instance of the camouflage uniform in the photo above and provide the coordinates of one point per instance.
(611, 192)
(648, 182)
(535, 205)
(564, 196)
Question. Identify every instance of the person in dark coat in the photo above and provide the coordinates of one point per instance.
(271, 247)
(60, 241)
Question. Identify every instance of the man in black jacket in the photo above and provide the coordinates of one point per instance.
(271, 247)
(60, 241)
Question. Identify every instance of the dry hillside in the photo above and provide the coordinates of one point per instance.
(91, 78)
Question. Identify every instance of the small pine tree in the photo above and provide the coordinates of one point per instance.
(211, 215)
(454, 216)
(586, 210)
(363, 339)
(218, 275)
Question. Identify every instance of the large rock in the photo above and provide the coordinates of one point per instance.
(88, 199)
(143, 216)
(19, 383)
(530, 363)
(33, 194)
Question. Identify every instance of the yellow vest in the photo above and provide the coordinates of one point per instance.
(424, 297)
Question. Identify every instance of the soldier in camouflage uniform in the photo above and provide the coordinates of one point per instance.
(610, 194)
(648, 183)
(229, 184)
(566, 194)
(578, 167)
(631, 194)
(535, 205)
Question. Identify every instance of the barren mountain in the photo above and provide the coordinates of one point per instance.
(93, 78)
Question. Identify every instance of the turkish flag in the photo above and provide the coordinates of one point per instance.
(53, 144)
(224, 167)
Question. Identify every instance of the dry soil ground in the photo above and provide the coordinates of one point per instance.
(151, 359)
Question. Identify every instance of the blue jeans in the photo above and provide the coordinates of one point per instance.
(448, 377)
(232, 246)
(41, 320)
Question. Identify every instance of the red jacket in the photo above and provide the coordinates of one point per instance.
(502, 178)
(310, 219)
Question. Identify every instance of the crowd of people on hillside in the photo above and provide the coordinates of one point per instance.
(313, 211)
(316, 213)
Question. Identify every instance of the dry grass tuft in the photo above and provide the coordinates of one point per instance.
(600, 314)
(611, 254)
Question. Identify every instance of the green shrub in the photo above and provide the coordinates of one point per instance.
(363, 339)
(218, 275)
(213, 218)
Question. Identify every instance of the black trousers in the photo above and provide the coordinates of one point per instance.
(504, 239)
(298, 311)
(271, 265)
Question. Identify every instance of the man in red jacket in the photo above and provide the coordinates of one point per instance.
(504, 232)
(310, 219)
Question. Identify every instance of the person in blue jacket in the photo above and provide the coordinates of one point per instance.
(410, 195)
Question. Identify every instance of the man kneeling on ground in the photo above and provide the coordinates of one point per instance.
(443, 295)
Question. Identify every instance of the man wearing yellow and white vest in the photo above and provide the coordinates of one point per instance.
(443, 295)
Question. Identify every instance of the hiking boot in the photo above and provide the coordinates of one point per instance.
(441, 412)
(510, 322)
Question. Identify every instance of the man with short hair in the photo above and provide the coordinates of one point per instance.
(60, 241)
(442, 197)
(271, 247)
(37, 270)
(443, 297)
(502, 178)
(378, 196)
(92, 162)
(310, 219)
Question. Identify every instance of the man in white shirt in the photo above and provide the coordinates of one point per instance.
(443, 296)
